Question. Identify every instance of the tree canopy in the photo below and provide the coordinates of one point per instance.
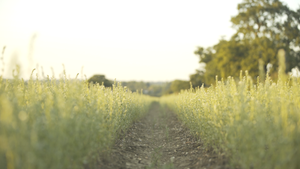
(100, 79)
(178, 85)
(262, 28)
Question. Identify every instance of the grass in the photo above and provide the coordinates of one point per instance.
(255, 125)
(45, 124)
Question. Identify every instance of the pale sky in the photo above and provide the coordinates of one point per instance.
(149, 40)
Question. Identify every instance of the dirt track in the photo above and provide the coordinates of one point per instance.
(159, 140)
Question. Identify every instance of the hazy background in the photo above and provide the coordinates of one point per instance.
(127, 40)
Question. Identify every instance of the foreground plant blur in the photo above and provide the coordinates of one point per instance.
(45, 124)
(257, 126)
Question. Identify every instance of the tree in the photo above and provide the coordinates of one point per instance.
(100, 79)
(224, 59)
(197, 79)
(178, 85)
(263, 27)
(269, 25)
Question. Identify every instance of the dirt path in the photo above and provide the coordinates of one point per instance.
(159, 140)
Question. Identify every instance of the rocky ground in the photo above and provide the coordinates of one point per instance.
(159, 140)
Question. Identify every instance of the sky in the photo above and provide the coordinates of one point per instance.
(143, 40)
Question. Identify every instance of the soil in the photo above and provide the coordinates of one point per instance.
(160, 140)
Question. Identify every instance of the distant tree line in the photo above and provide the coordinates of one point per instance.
(262, 28)
(156, 89)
